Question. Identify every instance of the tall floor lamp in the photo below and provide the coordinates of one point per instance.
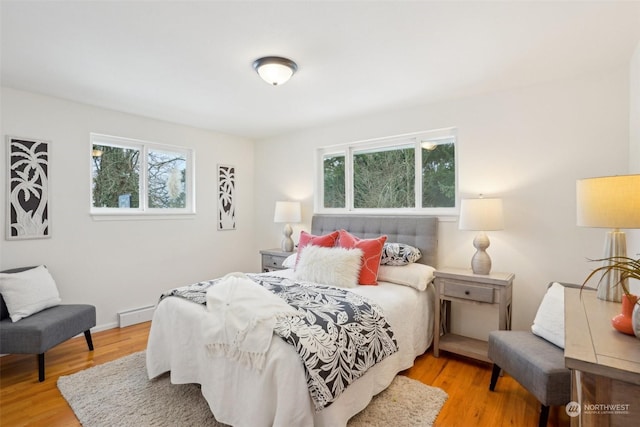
(481, 215)
(287, 212)
(610, 202)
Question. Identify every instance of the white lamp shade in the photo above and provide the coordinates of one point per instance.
(481, 214)
(609, 202)
(287, 212)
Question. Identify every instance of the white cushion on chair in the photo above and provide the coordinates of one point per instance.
(549, 321)
(28, 292)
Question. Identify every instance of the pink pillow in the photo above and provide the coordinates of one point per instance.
(372, 252)
(327, 241)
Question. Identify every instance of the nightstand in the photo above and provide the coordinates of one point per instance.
(272, 259)
(462, 286)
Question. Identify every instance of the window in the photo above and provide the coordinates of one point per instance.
(384, 177)
(334, 181)
(138, 177)
(415, 172)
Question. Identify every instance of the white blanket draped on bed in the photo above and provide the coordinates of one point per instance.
(248, 313)
(278, 396)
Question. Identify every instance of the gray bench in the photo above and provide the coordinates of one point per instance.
(41, 331)
(535, 363)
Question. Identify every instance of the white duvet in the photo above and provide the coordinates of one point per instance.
(278, 395)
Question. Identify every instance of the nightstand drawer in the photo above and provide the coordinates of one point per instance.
(272, 261)
(470, 292)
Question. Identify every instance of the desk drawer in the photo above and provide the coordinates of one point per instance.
(470, 292)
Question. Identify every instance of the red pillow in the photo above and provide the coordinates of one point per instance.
(372, 252)
(327, 241)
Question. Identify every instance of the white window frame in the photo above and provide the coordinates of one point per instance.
(347, 150)
(144, 210)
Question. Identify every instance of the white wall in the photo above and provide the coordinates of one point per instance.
(119, 265)
(527, 146)
(634, 112)
(633, 236)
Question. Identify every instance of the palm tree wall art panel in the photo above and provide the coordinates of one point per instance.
(226, 196)
(28, 189)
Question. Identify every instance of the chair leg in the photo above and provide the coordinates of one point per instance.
(87, 335)
(41, 367)
(494, 377)
(544, 416)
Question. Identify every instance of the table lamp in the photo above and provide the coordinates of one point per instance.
(287, 212)
(481, 215)
(610, 202)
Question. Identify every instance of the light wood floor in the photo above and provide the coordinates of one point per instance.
(26, 402)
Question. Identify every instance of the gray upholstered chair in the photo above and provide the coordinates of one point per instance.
(535, 363)
(43, 330)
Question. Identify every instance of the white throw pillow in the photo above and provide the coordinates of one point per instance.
(290, 261)
(28, 292)
(417, 276)
(329, 266)
(549, 321)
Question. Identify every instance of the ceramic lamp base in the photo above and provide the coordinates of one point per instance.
(481, 262)
(287, 242)
(610, 288)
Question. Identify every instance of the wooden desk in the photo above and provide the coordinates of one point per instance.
(605, 363)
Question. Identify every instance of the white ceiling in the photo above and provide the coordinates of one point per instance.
(190, 62)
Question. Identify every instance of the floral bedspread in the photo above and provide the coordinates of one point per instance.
(341, 335)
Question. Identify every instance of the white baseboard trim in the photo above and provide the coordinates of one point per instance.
(103, 327)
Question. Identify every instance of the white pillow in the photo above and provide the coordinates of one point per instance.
(28, 292)
(290, 261)
(329, 266)
(417, 276)
(549, 321)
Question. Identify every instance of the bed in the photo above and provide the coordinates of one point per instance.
(278, 394)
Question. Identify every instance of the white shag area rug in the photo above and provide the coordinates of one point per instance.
(119, 393)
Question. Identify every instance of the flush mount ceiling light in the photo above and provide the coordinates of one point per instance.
(274, 69)
(428, 145)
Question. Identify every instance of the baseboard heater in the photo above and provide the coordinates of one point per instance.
(136, 315)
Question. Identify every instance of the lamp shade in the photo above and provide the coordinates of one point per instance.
(481, 214)
(609, 201)
(287, 212)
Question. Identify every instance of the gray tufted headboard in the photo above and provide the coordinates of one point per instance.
(419, 230)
